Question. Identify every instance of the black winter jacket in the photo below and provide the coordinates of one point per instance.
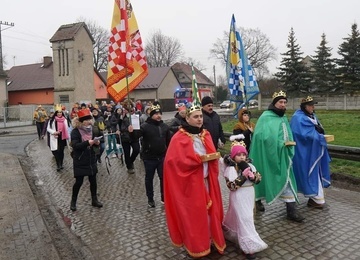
(156, 138)
(84, 159)
(213, 125)
(176, 122)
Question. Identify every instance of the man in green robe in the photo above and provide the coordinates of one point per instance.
(272, 150)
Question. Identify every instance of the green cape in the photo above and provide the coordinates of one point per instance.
(271, 157)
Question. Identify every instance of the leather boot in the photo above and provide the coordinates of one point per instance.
(259, 206)
(95, 202)
(292, 213)
(73, 204)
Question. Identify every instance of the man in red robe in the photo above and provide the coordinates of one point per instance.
(193, 204)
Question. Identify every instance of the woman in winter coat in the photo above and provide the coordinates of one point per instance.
(244, 127)
(59, 134)
(84, 144)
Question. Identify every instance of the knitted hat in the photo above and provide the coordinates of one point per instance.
(154, 110)
(206, 100)
(84, 114)
(277, 96)
(236, 148)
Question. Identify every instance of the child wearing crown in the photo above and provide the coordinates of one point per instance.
(240, 176)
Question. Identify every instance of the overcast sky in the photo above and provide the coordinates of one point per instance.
(196, 23)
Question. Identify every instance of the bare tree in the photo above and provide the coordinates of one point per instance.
(190, 61)
(257, 46)
(162, 50)
(101, 37)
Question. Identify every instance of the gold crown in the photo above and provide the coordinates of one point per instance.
(235, 143)
(307, 99)
(58, 107)
(279, 94)
(154, 107)
(193, 108)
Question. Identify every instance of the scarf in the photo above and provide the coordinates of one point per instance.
(62, 127)
(86, 133)
(191, 129)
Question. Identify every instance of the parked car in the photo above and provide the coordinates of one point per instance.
(225, 104)
(253, 103)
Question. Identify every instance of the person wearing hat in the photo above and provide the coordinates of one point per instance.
(85, 145)
(272, 151)
(58, 128)
(311, 160)
(244, 126)
(44, 131)
(40, 117)
(178, 119)
(240, 176)
(155, 140)
(212, 122)
(130, 142)
(193, 203)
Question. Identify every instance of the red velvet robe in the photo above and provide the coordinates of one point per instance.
(189, 206)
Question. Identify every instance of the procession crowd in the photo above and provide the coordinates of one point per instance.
(272, 159)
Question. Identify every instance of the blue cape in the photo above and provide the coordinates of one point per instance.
(311, 157)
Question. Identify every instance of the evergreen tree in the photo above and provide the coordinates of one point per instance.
(323, 67)
(349, 64)
(293, 73)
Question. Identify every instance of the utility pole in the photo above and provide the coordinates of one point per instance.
(1, 55)
(214, 84)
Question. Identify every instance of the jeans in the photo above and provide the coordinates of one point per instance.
(150, 167)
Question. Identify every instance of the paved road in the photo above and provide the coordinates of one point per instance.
(126, 229)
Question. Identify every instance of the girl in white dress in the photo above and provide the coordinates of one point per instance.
(238, 223)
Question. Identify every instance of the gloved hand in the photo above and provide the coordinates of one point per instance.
(248, 174)
(236, 137)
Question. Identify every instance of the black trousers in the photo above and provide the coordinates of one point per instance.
(59, 153)
(78, 183)
(150, 167)
(131, 156)
(39, 128)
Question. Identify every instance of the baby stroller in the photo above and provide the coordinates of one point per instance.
(112, 148)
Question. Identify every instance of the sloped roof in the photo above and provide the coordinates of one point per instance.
(155, 78)
(186, 69)
(68, 32)
(30, 77)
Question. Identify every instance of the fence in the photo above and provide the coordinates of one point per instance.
(336, 151)
(20, 115)
(325, 102)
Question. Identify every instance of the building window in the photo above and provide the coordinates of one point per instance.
(64, 99)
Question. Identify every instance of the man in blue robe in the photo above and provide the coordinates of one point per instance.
(311, 160)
